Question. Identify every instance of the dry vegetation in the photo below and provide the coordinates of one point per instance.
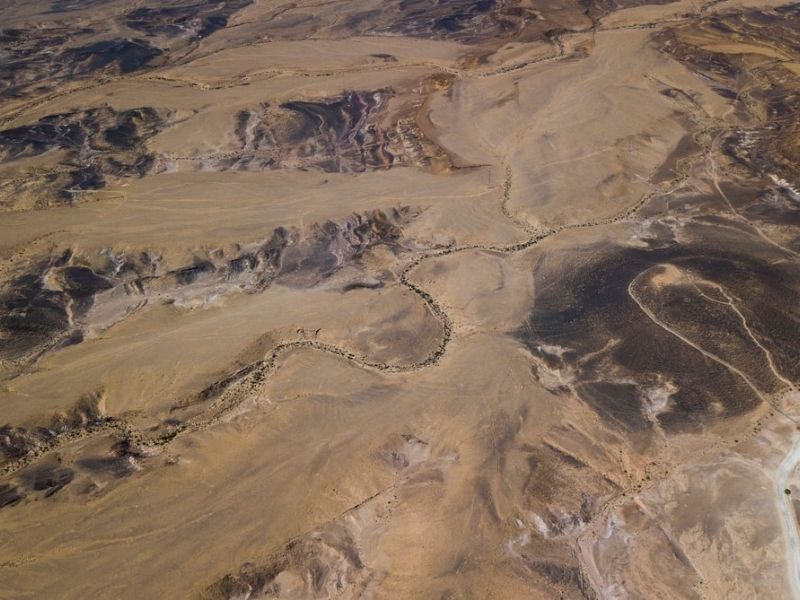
(399, 299)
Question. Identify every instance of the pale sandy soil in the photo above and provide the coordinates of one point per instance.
(516, 317)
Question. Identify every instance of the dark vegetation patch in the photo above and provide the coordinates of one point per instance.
(624, 364)
(581, 309)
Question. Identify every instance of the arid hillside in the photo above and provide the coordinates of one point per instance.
(400, 299)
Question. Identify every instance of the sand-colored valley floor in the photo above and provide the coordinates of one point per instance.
(399, 299)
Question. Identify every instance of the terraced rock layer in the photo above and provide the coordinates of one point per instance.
(387, 299)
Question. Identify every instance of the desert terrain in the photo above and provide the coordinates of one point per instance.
(400, 299)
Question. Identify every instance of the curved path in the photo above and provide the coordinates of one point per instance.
(234, 389)
(228, 394)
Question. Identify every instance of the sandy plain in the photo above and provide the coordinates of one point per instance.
(399, 300)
